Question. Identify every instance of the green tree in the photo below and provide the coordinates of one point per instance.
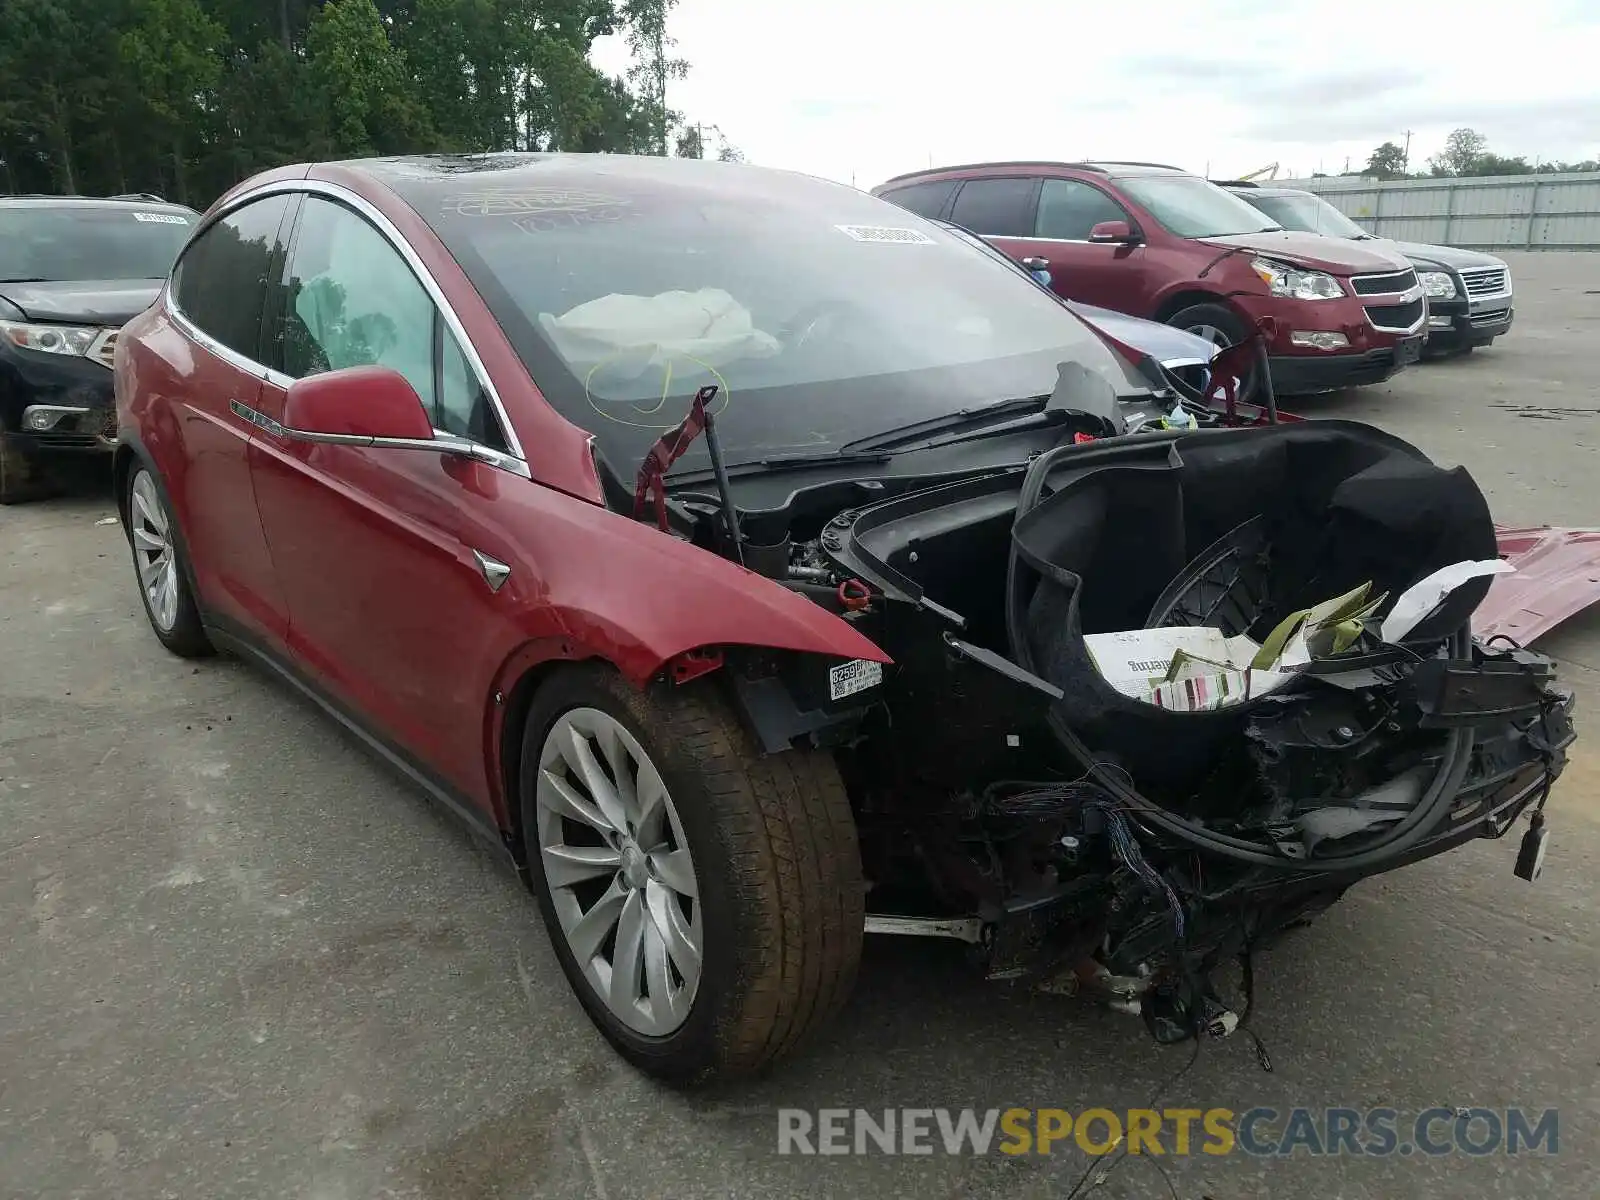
(1495, 164)
(187, 97)
(173, 54)
(363, 79)
(654, 64)
(690, 144)
(1388, 161)
(1462, 151)
(44, 95)
(460, 65)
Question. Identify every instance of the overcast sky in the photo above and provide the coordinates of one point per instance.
(865, 89)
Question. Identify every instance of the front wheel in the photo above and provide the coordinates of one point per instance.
(705, 901)
(1223, 328)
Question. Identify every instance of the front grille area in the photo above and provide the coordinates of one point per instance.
(1396, 318)
(1490, 316)
(1384, 285)
(1487, 281)
(65, 439)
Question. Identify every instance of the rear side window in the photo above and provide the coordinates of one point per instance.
(924, 199)
(996, 207)
(221, 281)
(1070, 208)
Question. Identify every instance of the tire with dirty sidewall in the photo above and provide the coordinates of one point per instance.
(777, 862)
(187, 638)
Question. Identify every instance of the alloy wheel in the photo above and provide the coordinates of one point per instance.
(153, 552)
(1212, 334)
(619, 870)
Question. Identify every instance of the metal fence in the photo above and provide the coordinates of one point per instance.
(1506, 212)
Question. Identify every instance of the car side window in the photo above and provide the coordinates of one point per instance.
(924, 199)
(996, 207)
(1070, 208)
(220, 283)
(352, 301)
(464, 406)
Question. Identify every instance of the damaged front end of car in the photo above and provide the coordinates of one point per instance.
(1099, 840)
(1122, 833)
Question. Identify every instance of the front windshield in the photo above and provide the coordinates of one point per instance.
(1188, 207)
(822, 314)
(64, 243)
(1309, 214)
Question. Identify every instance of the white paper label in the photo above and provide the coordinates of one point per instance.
(161, 218)
(857, 675)
(889, 234)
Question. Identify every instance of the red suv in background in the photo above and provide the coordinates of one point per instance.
(1162, 243)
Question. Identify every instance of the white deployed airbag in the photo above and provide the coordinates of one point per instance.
(707, 326)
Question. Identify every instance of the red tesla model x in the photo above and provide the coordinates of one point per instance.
(723, 542)
(382, 429)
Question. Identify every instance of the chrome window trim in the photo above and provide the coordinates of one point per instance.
(1058, 241)
(515, 462)
(232, 357)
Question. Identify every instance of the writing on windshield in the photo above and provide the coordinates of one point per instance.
(70, 243)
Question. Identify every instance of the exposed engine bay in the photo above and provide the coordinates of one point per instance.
(1084, 839)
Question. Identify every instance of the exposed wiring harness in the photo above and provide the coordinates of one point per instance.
(1044, 800)
(1130, 854)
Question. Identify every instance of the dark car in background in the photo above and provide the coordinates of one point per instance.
(1159, 242)
(73, 271)
(1469, 293)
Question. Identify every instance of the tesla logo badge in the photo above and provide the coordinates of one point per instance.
(494, 571)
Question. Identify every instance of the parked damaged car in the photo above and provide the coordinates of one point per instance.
(72, 270)
(728, 547)
(1159, 242)
(1470, 300)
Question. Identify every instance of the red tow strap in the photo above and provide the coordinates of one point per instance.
(671, 447)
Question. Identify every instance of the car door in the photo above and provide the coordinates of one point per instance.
(388, 556)
(217, 297)
(1095, 273)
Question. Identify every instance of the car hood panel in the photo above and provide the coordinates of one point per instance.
(83, 301)
(1557, 576)
(1446, 256)
(1164, 343)
(1317, 252)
